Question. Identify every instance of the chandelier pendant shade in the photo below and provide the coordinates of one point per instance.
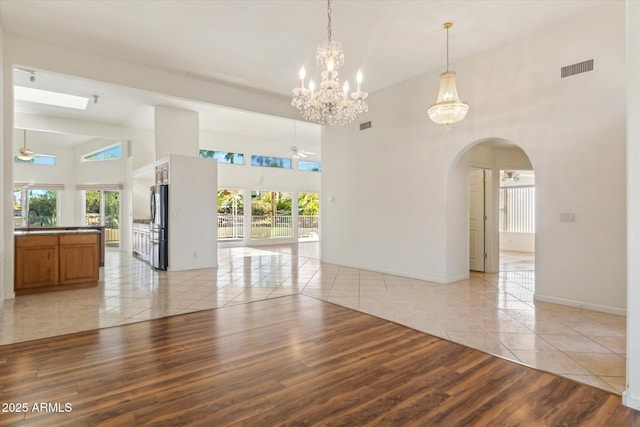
(448, 108)
(329, 104)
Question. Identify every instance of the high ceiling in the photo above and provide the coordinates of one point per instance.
(262, 44)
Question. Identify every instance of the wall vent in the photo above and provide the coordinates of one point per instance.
(580, 67)
(365, 125)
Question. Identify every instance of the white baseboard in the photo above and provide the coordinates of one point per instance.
(631, 400)
(581, 304)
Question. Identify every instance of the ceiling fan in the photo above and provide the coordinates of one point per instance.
(25, 154)
(294, 151)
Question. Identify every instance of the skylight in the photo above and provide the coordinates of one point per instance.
(22, 93)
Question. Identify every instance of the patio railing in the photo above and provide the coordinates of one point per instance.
(267, 226)
(230, 226)
(308, 226)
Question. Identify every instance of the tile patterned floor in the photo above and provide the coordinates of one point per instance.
(494, 313)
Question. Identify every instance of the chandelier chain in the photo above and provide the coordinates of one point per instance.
(447, 27)
(329, 19)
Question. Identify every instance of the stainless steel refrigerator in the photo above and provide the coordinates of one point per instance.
(159, 205)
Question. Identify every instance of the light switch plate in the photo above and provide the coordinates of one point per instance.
(567, 217)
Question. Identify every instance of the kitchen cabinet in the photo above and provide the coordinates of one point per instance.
(56, 260)
(79, 257)
(36, 261)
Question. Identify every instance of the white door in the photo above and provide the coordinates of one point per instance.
(476, 219)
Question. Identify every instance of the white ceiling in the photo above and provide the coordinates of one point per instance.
(262, 44)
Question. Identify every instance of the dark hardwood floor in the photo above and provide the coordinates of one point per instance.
(287, 361)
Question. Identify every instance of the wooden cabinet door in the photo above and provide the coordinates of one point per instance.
(79, 258)
(36, 263)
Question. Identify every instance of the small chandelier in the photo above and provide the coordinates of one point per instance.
(329, 105)
(512, 175)
(448, 108)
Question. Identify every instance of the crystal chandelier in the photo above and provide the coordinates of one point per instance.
(329, 105)
(448, 108)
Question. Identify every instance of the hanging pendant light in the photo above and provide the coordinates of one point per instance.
(448, 108)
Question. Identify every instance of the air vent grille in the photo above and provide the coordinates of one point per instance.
(365, 125)
(580, 67)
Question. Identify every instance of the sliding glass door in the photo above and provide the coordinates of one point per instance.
(102, 207)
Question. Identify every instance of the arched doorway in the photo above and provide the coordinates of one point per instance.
(492, 220)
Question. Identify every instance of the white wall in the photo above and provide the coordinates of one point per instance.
(515, 93)
(177, 132)
(193, 225)
(631, 396)
(142, 140)
(518, 242)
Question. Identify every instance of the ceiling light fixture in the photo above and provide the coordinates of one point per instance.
(22, 93)
(448, 108)
(512, 175)
(24, 153)
(329, 105)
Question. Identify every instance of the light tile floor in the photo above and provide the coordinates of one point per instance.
(494, 313)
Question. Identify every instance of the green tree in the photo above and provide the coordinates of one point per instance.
(230, 200)
(111, 209)
(42, 207)
(92, 198)
(308, 204)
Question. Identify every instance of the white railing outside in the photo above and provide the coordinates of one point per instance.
(112, 236)
(230, 226)
(308, 226)
(270, 227)
(267, 226)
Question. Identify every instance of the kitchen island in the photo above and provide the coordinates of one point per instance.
(100, 228)
(56, 259)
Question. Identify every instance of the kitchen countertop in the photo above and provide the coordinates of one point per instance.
(32, 232)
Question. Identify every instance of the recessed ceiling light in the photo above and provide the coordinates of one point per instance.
(57, 99)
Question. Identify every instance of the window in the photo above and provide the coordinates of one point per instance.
(112, 152)
(42, 207)
(223, 156)
(270, 215)
(305, 165)
(516, 212)
(271, 162)
(92, 207)
(33, 207)
(17, 207)
(308, 209)
(230, 214)
(37, 160)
